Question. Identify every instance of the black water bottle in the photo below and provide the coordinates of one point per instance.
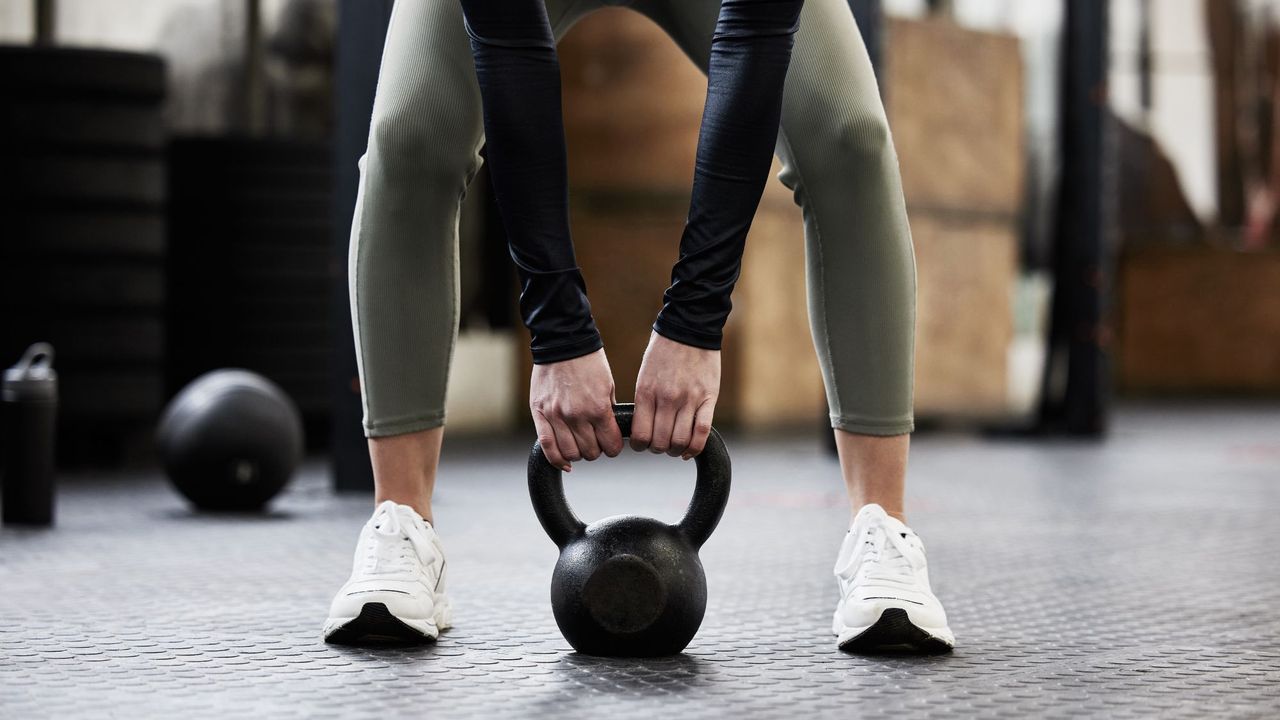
(28, 414)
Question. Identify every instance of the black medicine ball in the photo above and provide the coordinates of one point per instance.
(230, 440)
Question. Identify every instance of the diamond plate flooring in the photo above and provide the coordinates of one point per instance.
(1133, 578)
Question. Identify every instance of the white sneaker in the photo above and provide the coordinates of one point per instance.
(885, 600)
(396, 592)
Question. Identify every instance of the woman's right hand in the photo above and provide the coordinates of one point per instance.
(572, 407)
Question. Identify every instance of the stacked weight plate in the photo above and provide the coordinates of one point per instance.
(82, 146)
(249, 265)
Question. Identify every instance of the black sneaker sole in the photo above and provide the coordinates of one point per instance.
(894, 633)
(375, 625)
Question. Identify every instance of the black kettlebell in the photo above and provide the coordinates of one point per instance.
(630, 586)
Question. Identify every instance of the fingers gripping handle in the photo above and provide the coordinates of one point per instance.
(710, 495)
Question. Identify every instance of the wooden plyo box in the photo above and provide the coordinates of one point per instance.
(954, 99)
(964, 325)
(632, 106)
(1199, 321)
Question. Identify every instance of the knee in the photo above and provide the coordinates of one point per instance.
(415, 146)
(863, 138)
(844, 151)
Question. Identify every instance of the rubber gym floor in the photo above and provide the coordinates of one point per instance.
(1132, 578)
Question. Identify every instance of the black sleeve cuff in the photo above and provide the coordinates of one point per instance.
(554, 307)
(705, 339)
(569, 351)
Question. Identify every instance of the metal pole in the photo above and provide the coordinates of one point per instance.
(869, 15)
(254, 69)
(362, 29)
(46, 16)
(1077, 384)
(941, 8)
(1145, 60)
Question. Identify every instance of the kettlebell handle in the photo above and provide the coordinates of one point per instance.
(710, 492)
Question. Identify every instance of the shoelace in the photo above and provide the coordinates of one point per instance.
(391, 551)
(885, 561)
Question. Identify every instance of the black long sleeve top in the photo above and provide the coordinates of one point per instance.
(519, 77)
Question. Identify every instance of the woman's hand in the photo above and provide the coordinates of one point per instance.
(572, 407)
(675, 398)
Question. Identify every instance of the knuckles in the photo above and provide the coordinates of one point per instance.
(593, 412)
(669, 396)
(599, 411)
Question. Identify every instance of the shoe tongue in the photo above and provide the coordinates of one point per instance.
(391, 517)
(887, 524)
(409, 516)
(403, 512)
(871, 513)
(894, 525)
(871, 516)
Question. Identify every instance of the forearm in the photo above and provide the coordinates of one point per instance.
(519, 77)
(750, 54)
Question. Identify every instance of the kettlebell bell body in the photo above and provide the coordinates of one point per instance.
(630, 586)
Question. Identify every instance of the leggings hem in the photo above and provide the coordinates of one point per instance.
(404, 426)
(862, 426)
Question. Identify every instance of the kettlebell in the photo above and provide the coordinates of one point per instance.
(630, 586)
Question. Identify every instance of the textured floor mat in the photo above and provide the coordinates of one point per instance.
(1081, 579)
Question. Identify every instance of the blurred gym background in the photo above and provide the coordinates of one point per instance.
(1092, 189)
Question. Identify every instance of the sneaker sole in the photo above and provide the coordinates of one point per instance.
(375, 625)
(894, 632)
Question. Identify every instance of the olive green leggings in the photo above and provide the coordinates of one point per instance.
(837, 158)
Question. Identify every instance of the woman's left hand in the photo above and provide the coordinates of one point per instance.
(676, 394)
